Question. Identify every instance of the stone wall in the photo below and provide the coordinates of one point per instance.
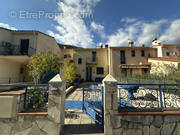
(20, 103)
(29, 125)
(39, 123)
(118, 124)
(143, 125)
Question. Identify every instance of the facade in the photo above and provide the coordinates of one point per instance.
(130, 60)
(92, 64)
(166, 50)
(164, 65)
(95, 64)
(16, 47)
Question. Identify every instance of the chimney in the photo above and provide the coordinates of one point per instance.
(65, 47)
(101, 45)
(106, 46)
(156, 42)
(143, 45)
(131, 43)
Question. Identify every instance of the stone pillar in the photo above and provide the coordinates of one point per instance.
(110, 102)
(56, 101)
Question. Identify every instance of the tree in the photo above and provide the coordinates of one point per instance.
(69, 72)
(42, 63)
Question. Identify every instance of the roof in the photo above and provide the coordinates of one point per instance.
(173, 59)
(68, 46)
(134, 47)
(26, 31)
(90, 49)
(168, 45)
(171, 45)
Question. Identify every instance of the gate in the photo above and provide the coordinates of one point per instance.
(93, 104)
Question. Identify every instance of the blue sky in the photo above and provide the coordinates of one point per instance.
(86, 23)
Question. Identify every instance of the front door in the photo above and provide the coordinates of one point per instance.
(88, 73)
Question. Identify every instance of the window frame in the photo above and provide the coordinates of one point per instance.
(142, 53)
(133, 53)
(98, 72)
(79, 61)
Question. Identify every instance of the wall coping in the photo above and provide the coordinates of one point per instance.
(32, 114)
(175, 112)
(19, 92)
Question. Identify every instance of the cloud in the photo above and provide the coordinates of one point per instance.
(128, 20)
(172, 33)
(99, 29)
(150, 31)
(96, 26)
(7, 26)
(71, 28)
(143, 32)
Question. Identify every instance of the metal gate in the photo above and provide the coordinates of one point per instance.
(93, 103)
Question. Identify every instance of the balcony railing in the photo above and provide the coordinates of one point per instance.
(15, 50)
(91, 61)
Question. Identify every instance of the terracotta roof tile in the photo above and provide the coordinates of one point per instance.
(173, 59)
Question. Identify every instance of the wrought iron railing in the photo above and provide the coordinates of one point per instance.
(148, 97)
(91, 61)
(15, 50)
(35, 97)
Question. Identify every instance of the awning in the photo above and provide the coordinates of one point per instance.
(134, 66)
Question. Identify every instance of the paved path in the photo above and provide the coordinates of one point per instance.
(78, 123)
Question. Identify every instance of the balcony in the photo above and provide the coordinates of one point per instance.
(9, 49)
(90, 61)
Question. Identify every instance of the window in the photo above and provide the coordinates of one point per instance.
(142, 53)
(65, 56)
(133, 53)
(167, 53)
(100, 70)
(123, 57)
(93, 56)
(79, 61)
(144, 70)
(24, 46)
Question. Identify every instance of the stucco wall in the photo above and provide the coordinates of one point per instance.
(130, 60)
(86, 55)
(9, 70)
(5, 35)
(46, 43)
(18, 36)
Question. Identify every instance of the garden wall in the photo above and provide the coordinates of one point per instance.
(39, 123)
(135, 123)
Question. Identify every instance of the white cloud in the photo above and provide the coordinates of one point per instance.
(150, 31)
(172, 33)
(98, 28)
(7, 26)
(120, 38)
(142, 32)
(71, 26)
(128, 20)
